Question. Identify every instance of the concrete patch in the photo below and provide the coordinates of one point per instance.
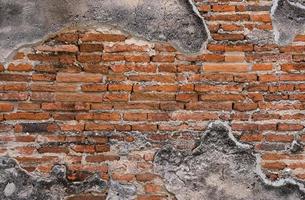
(26, 22)
(288, 19)
(219, 168)
(17, 184)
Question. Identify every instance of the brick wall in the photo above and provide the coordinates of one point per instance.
(69, 99)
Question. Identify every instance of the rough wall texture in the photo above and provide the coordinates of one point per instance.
(23, 22)
(96, 113)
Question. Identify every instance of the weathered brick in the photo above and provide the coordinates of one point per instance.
(102, 158)
(6, 107)
(98, 37)
(58, 48)
(91, 47)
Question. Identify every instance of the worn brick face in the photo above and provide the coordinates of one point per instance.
(64, 97)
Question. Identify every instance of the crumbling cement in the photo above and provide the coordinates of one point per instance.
(119, 191)
(17, 184)
(219, 168)
(288, 19)
(177, 21)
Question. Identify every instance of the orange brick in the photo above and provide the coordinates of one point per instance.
(19, 67)
(85, 78)
(135, 116)
(163, 58)
(6, 107)
(90, 37)
(274, 165)
(226, 67)
(58, 48)
(223, 8)
(261, 18)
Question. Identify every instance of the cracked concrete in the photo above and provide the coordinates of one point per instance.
(177, 21)
(219, 168)
(17, 184)
(288, 19)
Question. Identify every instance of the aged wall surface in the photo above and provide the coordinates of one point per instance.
(151, 100)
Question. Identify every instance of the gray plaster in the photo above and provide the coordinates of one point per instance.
(17, 184)
(288, 19)
(177, 21)
(219, 168)
(119, 191)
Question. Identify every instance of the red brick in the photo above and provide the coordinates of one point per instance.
(99, 127)
(279, 138)
(98, 37)
(274, 165)
(157, 88)
(223, 8)
(222, 97)
(145, 177)
(28, 106)
(99, 116)
(85, 78)
(91, 47)
(15, 77)
(137, 58)
(228, 17)
(158, 117)
(251, 137)
(89, 58)
(135, 116)
(245, 106)
(72, 127)
(261, 18)
(20, 67)
(126, 48)
(75, 97)
(164, 47)
(152, 188)
(6, 107)
(151, 197)
(144, 127)
(163, 58)
(13, 96)
(96, 68)
(290, 127)
(152, 97)
(186, 97)
(109, 57)
(67, 37)
(57, 48)
(119, 87)
(53, 149)
(225, 67)
(27, 116)
(231, 37)
(83, 148)
(102, 148)
(226, 106)
(194, 116)
(102, 158)
(122, 177)
(94, 87)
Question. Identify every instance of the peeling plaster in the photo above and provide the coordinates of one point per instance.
(221, 168)
(17, 184)
(176, 21)
(288, 20)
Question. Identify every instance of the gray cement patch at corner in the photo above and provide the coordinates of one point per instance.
(220, 168)
(288, 20)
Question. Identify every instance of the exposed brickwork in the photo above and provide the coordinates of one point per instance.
(59, 99)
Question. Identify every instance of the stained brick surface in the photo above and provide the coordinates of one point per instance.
(58, 95)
